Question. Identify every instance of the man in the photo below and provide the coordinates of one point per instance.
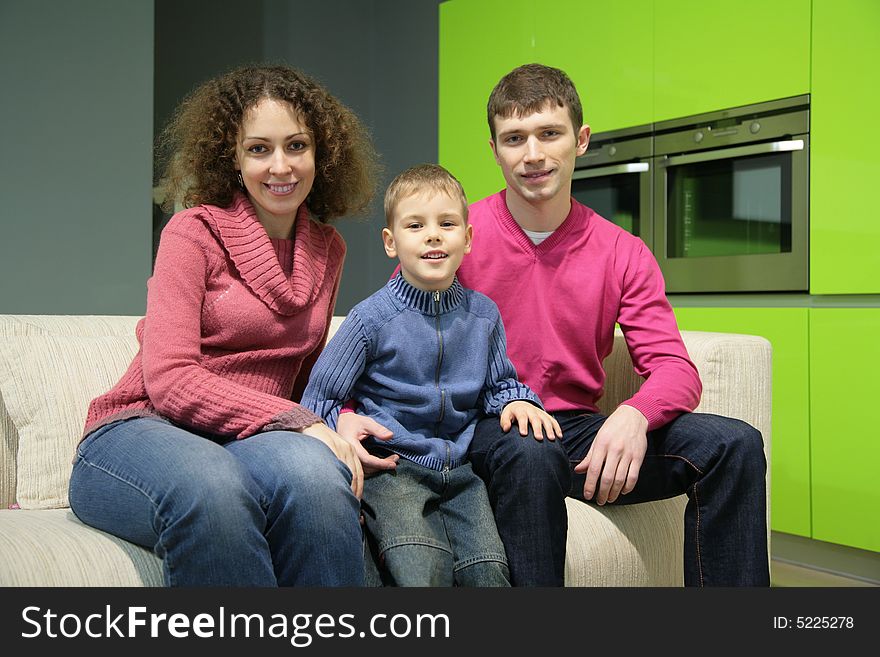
(562, 276)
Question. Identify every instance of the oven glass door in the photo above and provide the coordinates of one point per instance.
(734, 219)
(619, 193)
(731, 207)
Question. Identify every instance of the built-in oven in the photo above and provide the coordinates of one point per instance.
(614, 178)
(731, 199)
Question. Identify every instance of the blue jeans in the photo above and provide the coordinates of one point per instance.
(433, 528)
(718, 462)
(275, 509)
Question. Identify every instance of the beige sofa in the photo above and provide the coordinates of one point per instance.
(51, 366)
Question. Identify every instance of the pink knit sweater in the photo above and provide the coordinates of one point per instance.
(230, 335)
(561, 299)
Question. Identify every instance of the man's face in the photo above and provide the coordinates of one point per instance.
(536, 152)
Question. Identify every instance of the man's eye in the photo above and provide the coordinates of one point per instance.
(514, 139)
(551, 133)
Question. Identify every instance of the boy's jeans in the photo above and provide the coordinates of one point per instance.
(275, 509)
(433, 528)
(717, 461)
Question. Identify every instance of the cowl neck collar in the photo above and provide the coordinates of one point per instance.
(253, 255)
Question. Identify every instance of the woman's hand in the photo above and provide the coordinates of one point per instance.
(355, 428)
(344, 451)
(526, 414)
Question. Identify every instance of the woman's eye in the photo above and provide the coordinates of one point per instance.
(257, 149)
(297, 146)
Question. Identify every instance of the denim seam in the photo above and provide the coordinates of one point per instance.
(697, 504)
(486, 557)
(168, 566)
(400, 541)
(699, 555)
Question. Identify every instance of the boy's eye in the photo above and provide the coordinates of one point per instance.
(448, 224)
(414, 225)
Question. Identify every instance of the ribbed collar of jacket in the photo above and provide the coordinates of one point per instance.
(423, 300)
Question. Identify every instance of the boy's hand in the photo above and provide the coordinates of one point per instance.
(355, 428)
(527, 414)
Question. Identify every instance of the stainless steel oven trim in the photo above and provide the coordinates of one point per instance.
(631, 167)
(739, 151)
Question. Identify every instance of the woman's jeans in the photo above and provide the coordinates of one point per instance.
(275, 509)
(433, 528)
(717, 461)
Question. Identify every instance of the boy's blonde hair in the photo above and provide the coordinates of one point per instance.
(423, 178)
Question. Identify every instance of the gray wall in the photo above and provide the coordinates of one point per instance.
(76, 125)
(378, 56)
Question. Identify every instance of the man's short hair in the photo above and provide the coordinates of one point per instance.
(423, 178)
(528, 89)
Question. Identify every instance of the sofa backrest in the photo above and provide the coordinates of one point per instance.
(14, 330)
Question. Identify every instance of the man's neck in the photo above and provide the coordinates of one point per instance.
(544, 216)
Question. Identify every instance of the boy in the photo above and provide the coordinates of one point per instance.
(427, 358)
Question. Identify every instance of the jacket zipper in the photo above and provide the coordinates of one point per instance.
(439, 361)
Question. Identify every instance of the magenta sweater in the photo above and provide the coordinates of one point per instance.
(560, 300)
(230, 333)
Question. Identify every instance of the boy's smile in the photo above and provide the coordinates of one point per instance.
(429, 236)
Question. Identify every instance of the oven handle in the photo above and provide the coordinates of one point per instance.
(739, 151)
(631, 167)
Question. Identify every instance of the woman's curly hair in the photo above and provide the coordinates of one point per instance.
(196, 150)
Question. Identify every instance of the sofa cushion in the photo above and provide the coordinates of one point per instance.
(47, 383)
(52, 547)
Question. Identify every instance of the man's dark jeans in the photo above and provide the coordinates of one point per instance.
(717, 461)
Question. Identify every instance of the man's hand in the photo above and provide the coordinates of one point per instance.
(344, 451)
(355, 428)
(616, 455)
(527, 414)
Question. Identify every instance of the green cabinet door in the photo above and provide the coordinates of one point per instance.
(607, 50)
(715, 55)
(844, 352)
(480, 41)
(787, 331)
(845, 148)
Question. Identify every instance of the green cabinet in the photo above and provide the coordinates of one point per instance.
(787, 331)
(610, 59)
(845, 148)
(480, 41)
(714, 55)
(845, 432)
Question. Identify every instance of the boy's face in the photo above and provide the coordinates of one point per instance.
(429, 236)
(536, 152)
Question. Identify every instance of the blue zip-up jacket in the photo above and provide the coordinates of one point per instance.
(423, 364)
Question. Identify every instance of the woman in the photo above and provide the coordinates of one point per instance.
(198, 452)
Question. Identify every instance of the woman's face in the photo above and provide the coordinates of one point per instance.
(276, 156)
